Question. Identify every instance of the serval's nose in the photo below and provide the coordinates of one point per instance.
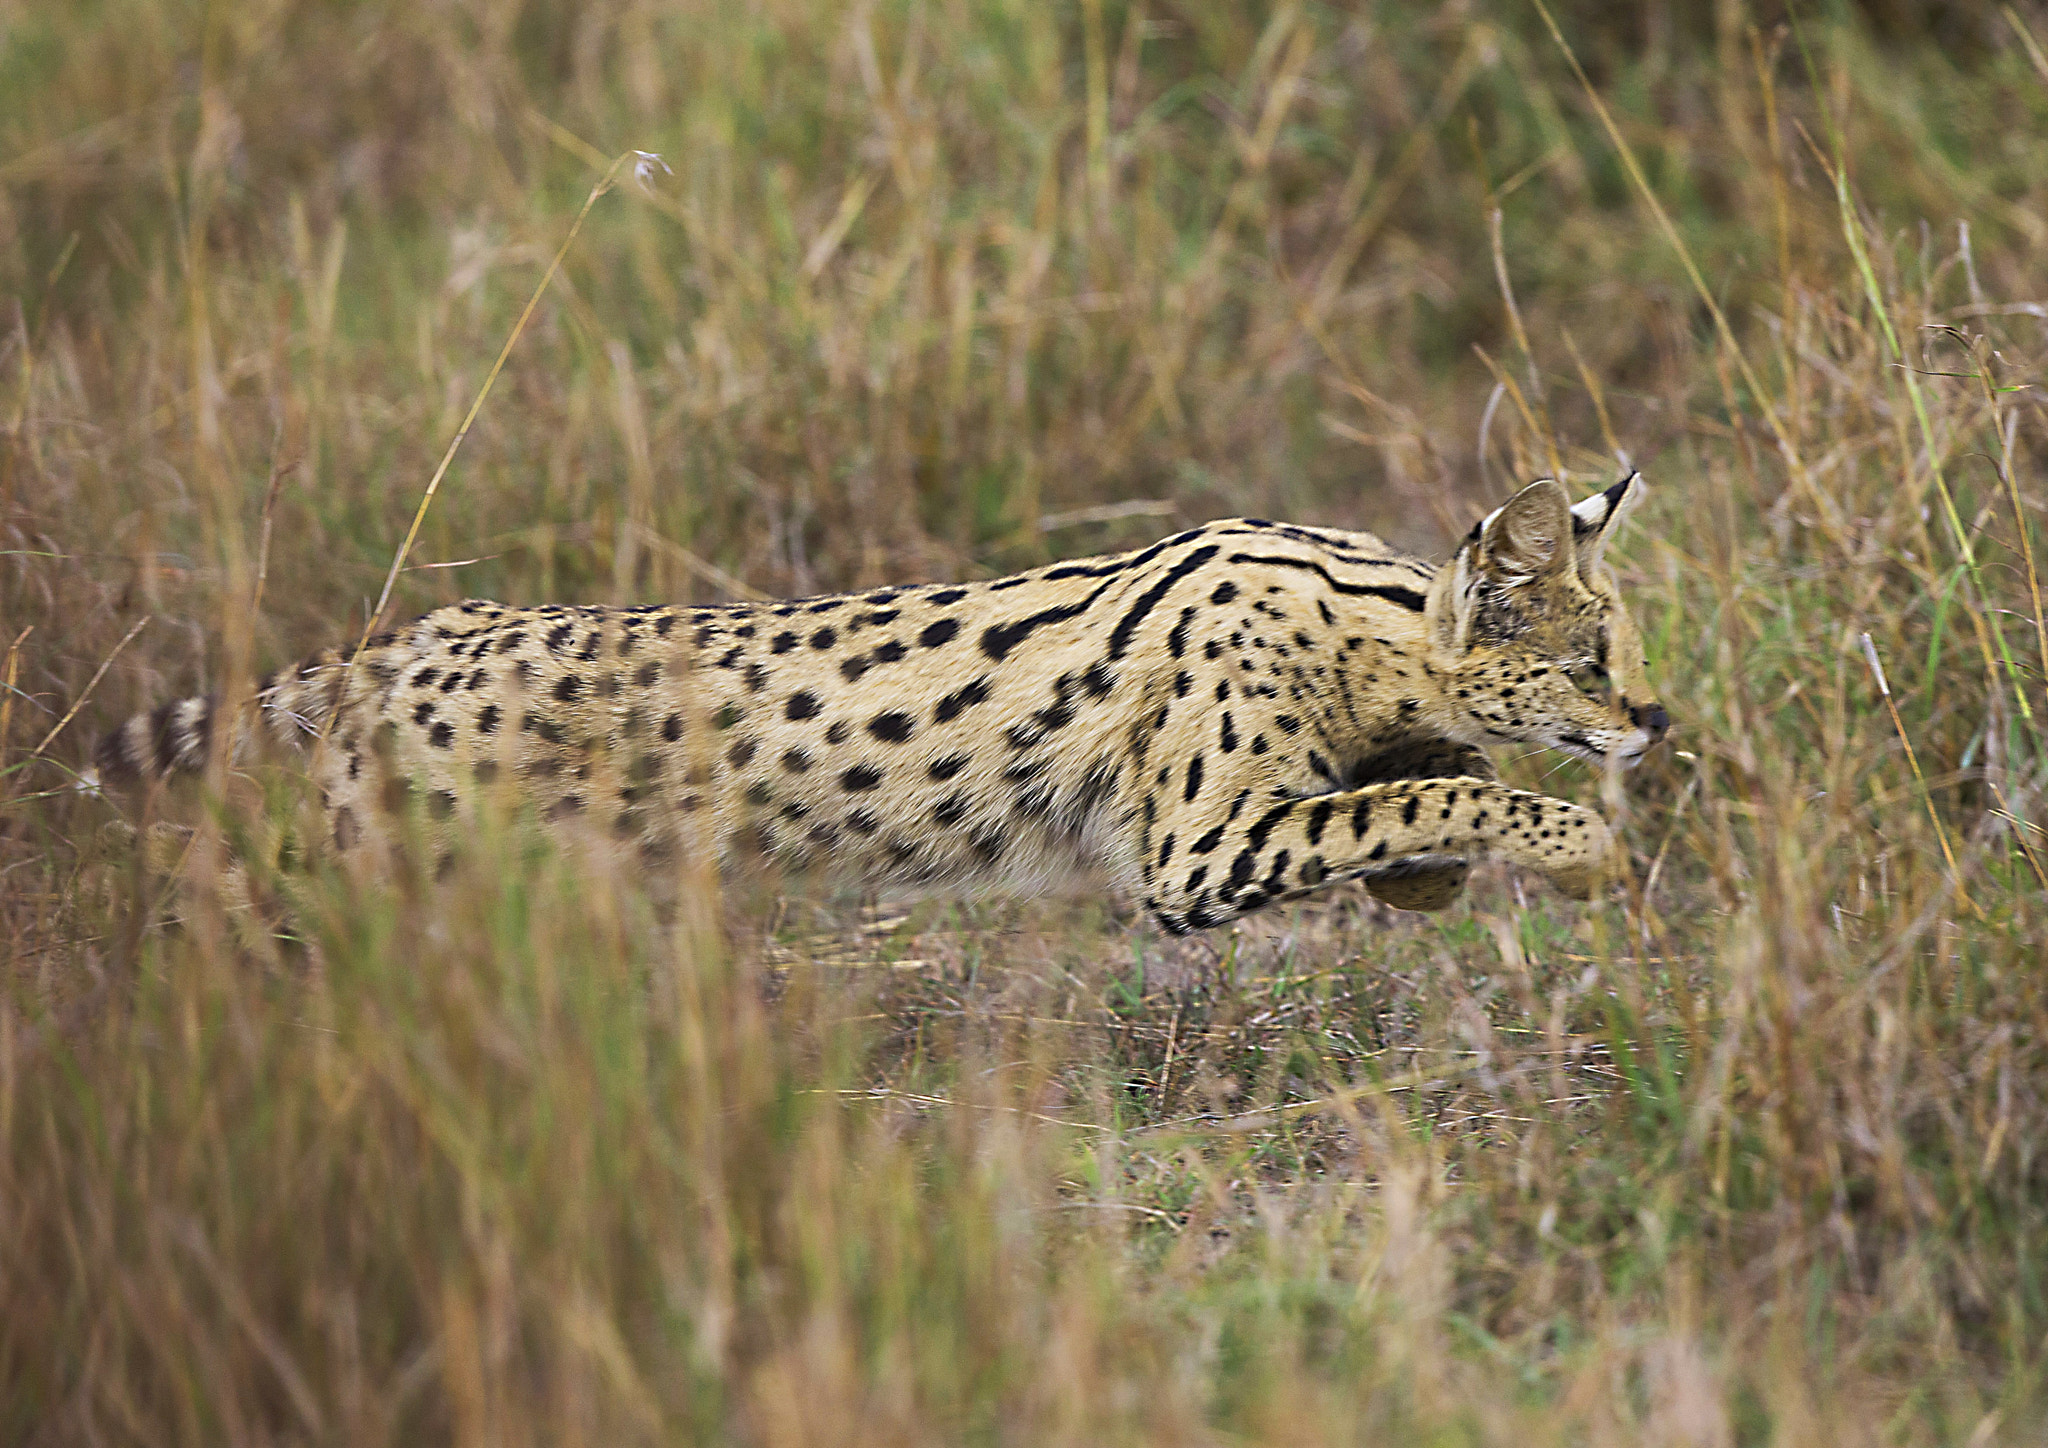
(1651, 719)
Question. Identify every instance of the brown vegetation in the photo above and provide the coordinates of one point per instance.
(1749, 1154)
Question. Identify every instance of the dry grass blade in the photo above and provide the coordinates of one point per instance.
(86, 693)
(376, 614)
(703, 567)
(1544, 433)
(1884, 689)
(2007, 464)
(1108, 513)
(2020, 829)
(7, 687)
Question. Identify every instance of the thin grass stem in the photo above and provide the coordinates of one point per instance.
(604, 184)
(1884, 688)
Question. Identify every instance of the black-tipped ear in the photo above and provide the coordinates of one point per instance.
(1529, 537)
(1597, 519)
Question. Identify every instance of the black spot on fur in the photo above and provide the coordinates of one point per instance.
(962, 698)
(1264, 825)
(892, 728)
(861, 778)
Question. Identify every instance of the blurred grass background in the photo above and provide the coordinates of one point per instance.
(1751, 1155)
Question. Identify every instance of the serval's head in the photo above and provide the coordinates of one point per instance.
(1529, 631)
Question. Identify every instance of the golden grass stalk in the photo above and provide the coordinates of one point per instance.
(642, 161)
(1884, 688)
(7, 688)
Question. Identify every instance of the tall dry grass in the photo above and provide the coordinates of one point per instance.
(1747, 1155)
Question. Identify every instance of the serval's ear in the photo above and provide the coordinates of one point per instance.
(1597, 519)
(1525, 540)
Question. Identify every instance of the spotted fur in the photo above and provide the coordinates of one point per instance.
(1237, 715)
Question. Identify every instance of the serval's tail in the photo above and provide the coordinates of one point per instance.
(292, 704)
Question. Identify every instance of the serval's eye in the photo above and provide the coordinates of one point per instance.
(1592, 680)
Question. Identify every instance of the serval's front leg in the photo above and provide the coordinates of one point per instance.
(1425, 884)
(1235, 866)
